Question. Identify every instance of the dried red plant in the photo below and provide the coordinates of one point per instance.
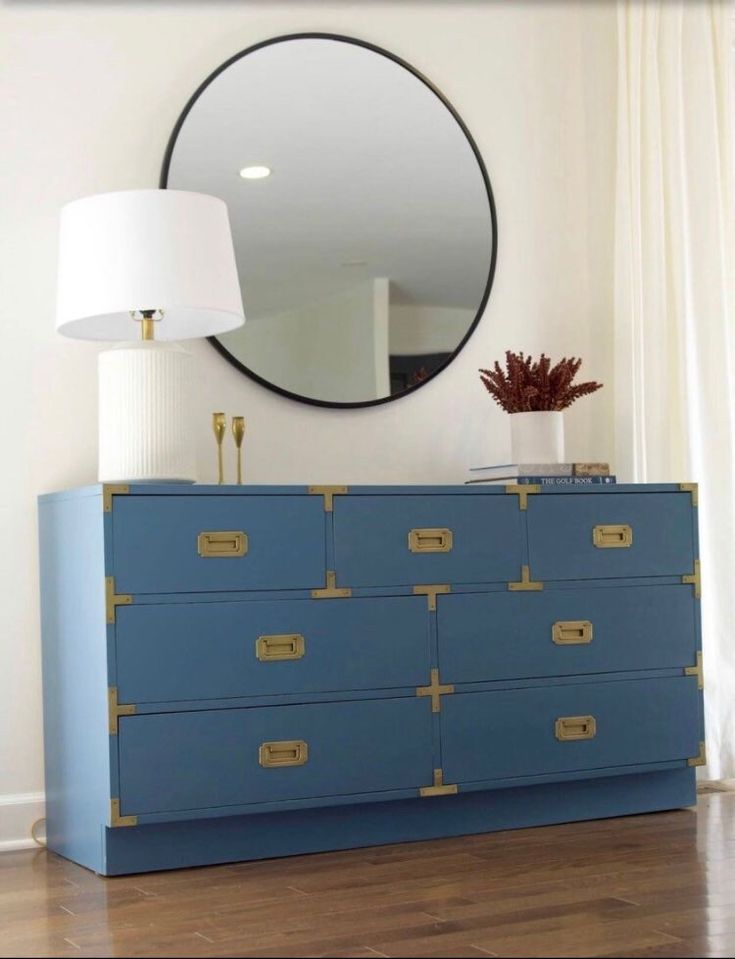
(526, 386)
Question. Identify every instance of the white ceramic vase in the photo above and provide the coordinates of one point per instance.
(537, 437)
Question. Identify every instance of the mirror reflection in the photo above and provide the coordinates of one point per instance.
(361, 214)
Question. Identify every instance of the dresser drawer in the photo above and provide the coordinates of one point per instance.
(199, 760)
(412, 540)
(588, 536)
(501, 735)
(561, 632)
(168, 544)
(217, 650)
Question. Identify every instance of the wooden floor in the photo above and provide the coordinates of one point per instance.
(656, 885)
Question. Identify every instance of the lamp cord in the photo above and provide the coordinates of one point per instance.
(34, 837)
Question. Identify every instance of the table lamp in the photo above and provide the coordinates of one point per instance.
(149, 266)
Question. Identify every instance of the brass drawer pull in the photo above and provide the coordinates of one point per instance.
(222, 543)
(289, 752)
(430, 540)
(271, 649)
(572, 632)
(612, 537)
(570, 728)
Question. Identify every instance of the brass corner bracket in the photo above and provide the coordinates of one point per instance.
(523, 490)
(113, 599)
(436, 690)
(700, 759)
(694, 579)
(692, 488)
(331, 590)
(115, 710)
(439, 789)
(112, 489)
(116, 819)
(696, 670)
(431, 591)
(526, 583)
(328, 492)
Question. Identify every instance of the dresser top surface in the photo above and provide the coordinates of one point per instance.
(477, 489)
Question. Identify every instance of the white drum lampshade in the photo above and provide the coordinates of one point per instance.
(144, 267)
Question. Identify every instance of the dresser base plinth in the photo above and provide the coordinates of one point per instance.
(267, 835)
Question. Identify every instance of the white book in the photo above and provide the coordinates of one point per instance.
(514, 470)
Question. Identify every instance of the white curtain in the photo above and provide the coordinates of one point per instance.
(674, 297)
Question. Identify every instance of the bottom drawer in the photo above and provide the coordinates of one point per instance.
(171, 762)
(501, 735)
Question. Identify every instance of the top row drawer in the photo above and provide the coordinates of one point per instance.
(159, 542)
(180, 543)
(478, 538)
(610, 535)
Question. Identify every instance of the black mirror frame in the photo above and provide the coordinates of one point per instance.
(221, 349)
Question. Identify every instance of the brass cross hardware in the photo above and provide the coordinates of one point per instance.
(328, 492)
(693, 489)
(436, 690)
(116, 819)
(526, 583)
(331, 590)
(113, 599)
(696, 670)
(694, 579)
(112, 489)
(116, 709)
(522, 490)
(431, 591)
(439, 788)
(700, 759)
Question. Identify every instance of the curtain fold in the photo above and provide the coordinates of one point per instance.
(675, 297)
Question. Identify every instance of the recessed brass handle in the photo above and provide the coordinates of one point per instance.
(222, 543)
(288, 752)
(612, 537)
(270, 649)
(430, 540)
(572, 632)
(571, 728)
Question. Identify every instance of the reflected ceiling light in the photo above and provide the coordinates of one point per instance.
(255, 172)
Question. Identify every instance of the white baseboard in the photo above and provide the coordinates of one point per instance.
(18, 812)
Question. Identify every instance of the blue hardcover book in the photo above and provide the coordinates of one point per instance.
(566, 480)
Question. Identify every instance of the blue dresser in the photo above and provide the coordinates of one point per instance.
(234, 673)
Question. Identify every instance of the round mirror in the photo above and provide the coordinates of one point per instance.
(361, 211)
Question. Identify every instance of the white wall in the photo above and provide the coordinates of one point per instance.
(89, 95)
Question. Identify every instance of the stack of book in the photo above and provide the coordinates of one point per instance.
(543, 474)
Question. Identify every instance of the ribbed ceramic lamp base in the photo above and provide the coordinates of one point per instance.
(144, 414)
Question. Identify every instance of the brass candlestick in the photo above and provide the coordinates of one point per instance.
(238, 431)
(219, 426)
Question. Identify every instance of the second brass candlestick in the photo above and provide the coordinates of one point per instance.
(238, 431)
(219, 426)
